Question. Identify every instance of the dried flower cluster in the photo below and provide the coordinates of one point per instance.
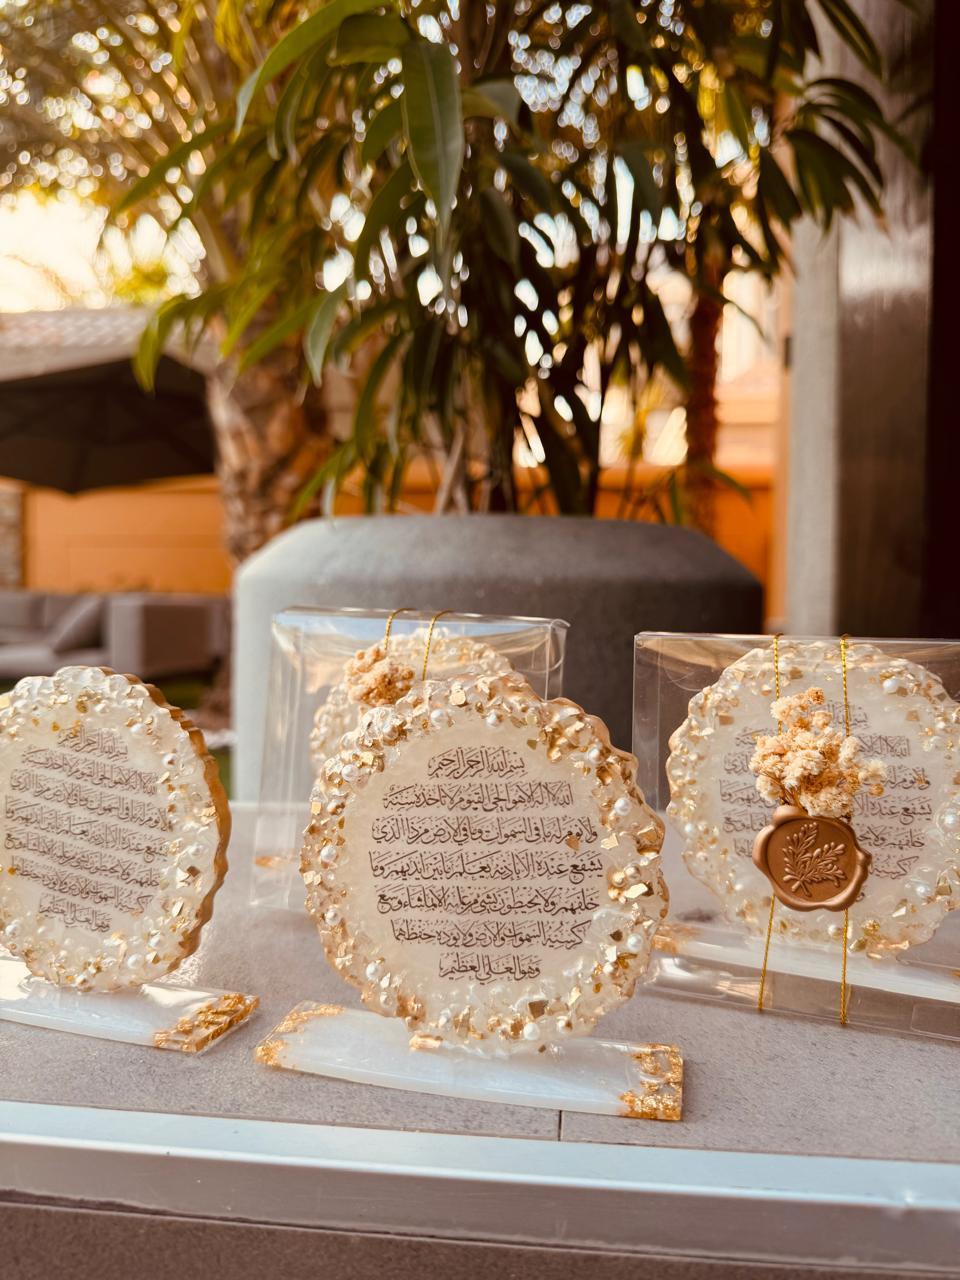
(376, 680)
(811, 763)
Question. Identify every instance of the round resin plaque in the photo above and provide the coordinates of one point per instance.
(339, 714)
(115, 828)
(481, 863)
(901, 715)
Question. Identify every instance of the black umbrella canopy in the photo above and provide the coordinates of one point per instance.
(94, 427)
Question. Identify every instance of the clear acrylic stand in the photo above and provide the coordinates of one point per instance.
(710, 962)
(179, 1018)
(603, 1077)
(308, 651)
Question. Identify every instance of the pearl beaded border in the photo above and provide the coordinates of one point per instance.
(338, 715)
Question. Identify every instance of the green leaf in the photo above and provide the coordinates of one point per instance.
(384, 211)
(381, 131)
(247, 313)
(776, 190)
(528, 180)
(495, 99)
(355, 332)
(365, 418)
(283, 131)
(317, 335)
(276, 333)
(634, 156)
(374, 37)
(560, 460)
(330, 476)
(736, 116)
(302, 39)
(848, 25)
(193, 312)
(174, 159)
(499, 226)
(433, 123)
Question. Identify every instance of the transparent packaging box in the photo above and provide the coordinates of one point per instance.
(699, 703)
(308, 711)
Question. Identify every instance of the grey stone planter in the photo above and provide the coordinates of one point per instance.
(608, 578)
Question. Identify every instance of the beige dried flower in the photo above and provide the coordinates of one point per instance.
(374, 679)
(811, 763)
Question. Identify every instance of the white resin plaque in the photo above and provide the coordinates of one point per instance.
(902, 715)
(114, 830)
(481, 863)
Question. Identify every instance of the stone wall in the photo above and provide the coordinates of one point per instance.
(11, 537)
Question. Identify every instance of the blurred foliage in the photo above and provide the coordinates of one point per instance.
(475, 204)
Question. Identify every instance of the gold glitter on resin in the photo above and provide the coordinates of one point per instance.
(269, 1053)
(892, 689)
(304, 1013)
(587, 984)
(658, 1094)
(270, 1050)
(193, 1033)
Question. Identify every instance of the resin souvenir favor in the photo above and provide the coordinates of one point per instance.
(115, 828)
(904, 829)
(481, 864)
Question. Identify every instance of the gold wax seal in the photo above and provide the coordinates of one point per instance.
(811, 862)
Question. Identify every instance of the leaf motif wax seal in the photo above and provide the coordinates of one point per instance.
(811, 862)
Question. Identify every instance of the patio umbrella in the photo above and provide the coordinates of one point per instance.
(87, 428)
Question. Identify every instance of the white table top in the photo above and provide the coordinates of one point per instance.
(850, 1135)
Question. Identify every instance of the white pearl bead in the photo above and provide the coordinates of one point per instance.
(531, 1031)
(622, 806)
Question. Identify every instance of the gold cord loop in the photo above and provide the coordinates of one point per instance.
(426, 649)
(389, 626)
(844, 992)
(773, 897)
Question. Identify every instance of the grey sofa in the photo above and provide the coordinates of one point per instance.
(149, 635)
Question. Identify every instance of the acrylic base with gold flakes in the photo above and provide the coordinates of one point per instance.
(178, 1018)
(602, 1077)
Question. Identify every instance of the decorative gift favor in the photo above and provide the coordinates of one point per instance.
(482, 866)
(890, 791)
(812, 790)
(115, 828)
(481, 863)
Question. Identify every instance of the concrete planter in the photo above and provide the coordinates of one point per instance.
(608, 578)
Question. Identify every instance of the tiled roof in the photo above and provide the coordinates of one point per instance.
(38, 342)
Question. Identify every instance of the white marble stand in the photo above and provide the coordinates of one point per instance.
(603, 1077)
(177, 1018)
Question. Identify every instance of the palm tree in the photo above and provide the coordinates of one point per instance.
(96, 96)
(472, 203)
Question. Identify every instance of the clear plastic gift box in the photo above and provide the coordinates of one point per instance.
(700, 702)
(308, 710)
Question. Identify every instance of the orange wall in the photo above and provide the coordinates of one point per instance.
(167, 536)
(158, 537)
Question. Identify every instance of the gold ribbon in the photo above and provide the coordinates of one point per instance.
(844, 995)
(426, 649)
